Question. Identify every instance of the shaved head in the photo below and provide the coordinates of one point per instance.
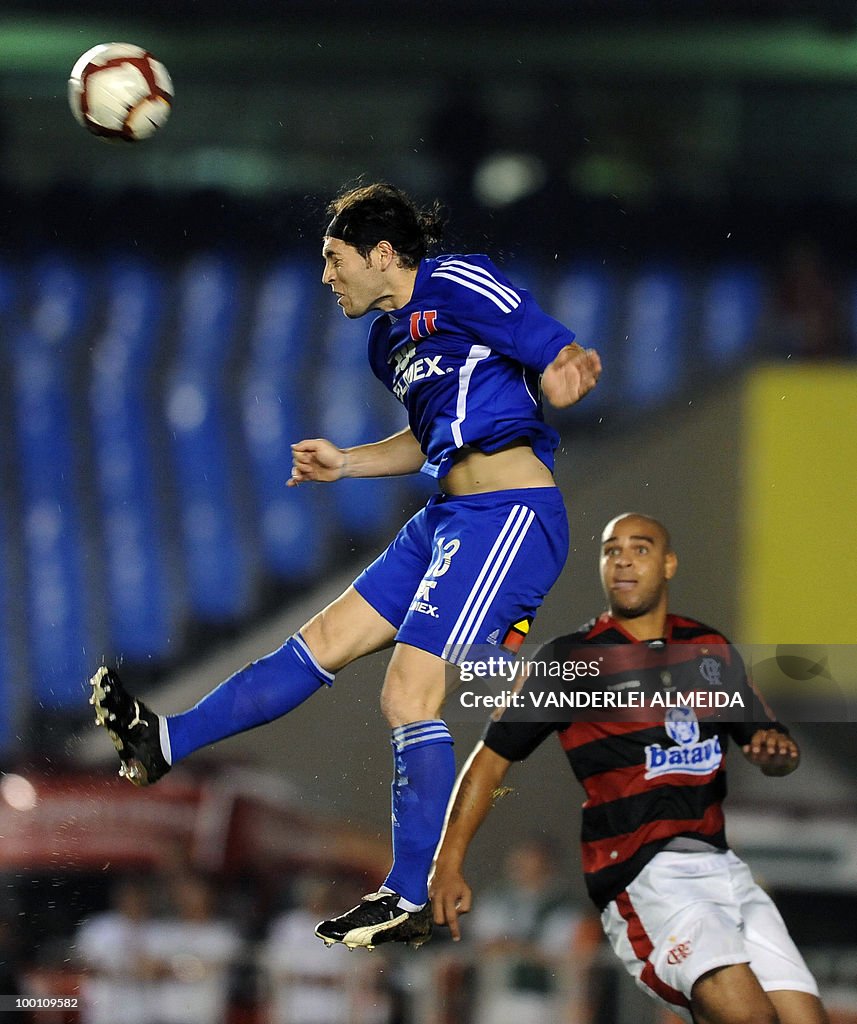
(654, 525)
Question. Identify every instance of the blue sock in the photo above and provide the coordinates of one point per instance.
(258, 693)
(424, 774)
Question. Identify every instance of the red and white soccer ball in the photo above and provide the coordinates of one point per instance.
(119, 91)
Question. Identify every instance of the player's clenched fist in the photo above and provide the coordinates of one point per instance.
(573, 374)
(317, 459)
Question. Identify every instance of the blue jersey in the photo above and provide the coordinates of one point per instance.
(464, 357)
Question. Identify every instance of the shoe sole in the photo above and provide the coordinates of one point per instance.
(132, 769)
(413, 943)
(362, 938)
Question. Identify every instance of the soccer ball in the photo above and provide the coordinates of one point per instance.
(119, 91)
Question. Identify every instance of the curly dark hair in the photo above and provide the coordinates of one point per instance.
(368, 214)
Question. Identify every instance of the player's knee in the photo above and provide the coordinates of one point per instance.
(404, 701)
(396, 707)
(325, 642)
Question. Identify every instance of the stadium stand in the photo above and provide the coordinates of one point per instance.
(276, 406)
(732, 306)
(654, 337)
(45, 346)
(216, 550)
(585, 297)
(158, 506)
(142, 611)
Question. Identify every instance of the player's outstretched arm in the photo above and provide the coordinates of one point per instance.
(772, 751)
(320, 460)
(470, 802)
(573, 374)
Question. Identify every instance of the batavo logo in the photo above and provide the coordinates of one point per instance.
(691, 756)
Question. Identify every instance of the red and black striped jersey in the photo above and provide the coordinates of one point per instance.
(646, 781)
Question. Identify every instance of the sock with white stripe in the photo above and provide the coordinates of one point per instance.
(424, 774)
(256, 694)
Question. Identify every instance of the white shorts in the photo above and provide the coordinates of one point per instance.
(688, 913)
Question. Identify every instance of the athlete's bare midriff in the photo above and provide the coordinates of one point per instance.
(510, 468)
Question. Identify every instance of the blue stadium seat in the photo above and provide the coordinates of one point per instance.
(355, 409)
(731, 309)
(651, 346)
(217, 551)
(141, 611)
(44, 353)
(277, 405)
(584, 300)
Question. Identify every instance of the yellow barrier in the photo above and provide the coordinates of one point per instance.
(799, 506)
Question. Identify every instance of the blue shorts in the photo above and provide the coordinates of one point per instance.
(470, 569)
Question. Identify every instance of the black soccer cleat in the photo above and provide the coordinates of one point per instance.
(376, 919)
(131, 726)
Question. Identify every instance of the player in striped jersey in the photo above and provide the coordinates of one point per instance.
(469, 355)
(678, 906)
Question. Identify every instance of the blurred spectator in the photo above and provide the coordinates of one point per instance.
(807, 319)
(310, 984)
(529, 934)
(114, 948)
(195, 951)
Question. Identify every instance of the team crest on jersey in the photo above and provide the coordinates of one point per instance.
(422, 324)
(680, 952)
(690, 756)
(709, 669)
